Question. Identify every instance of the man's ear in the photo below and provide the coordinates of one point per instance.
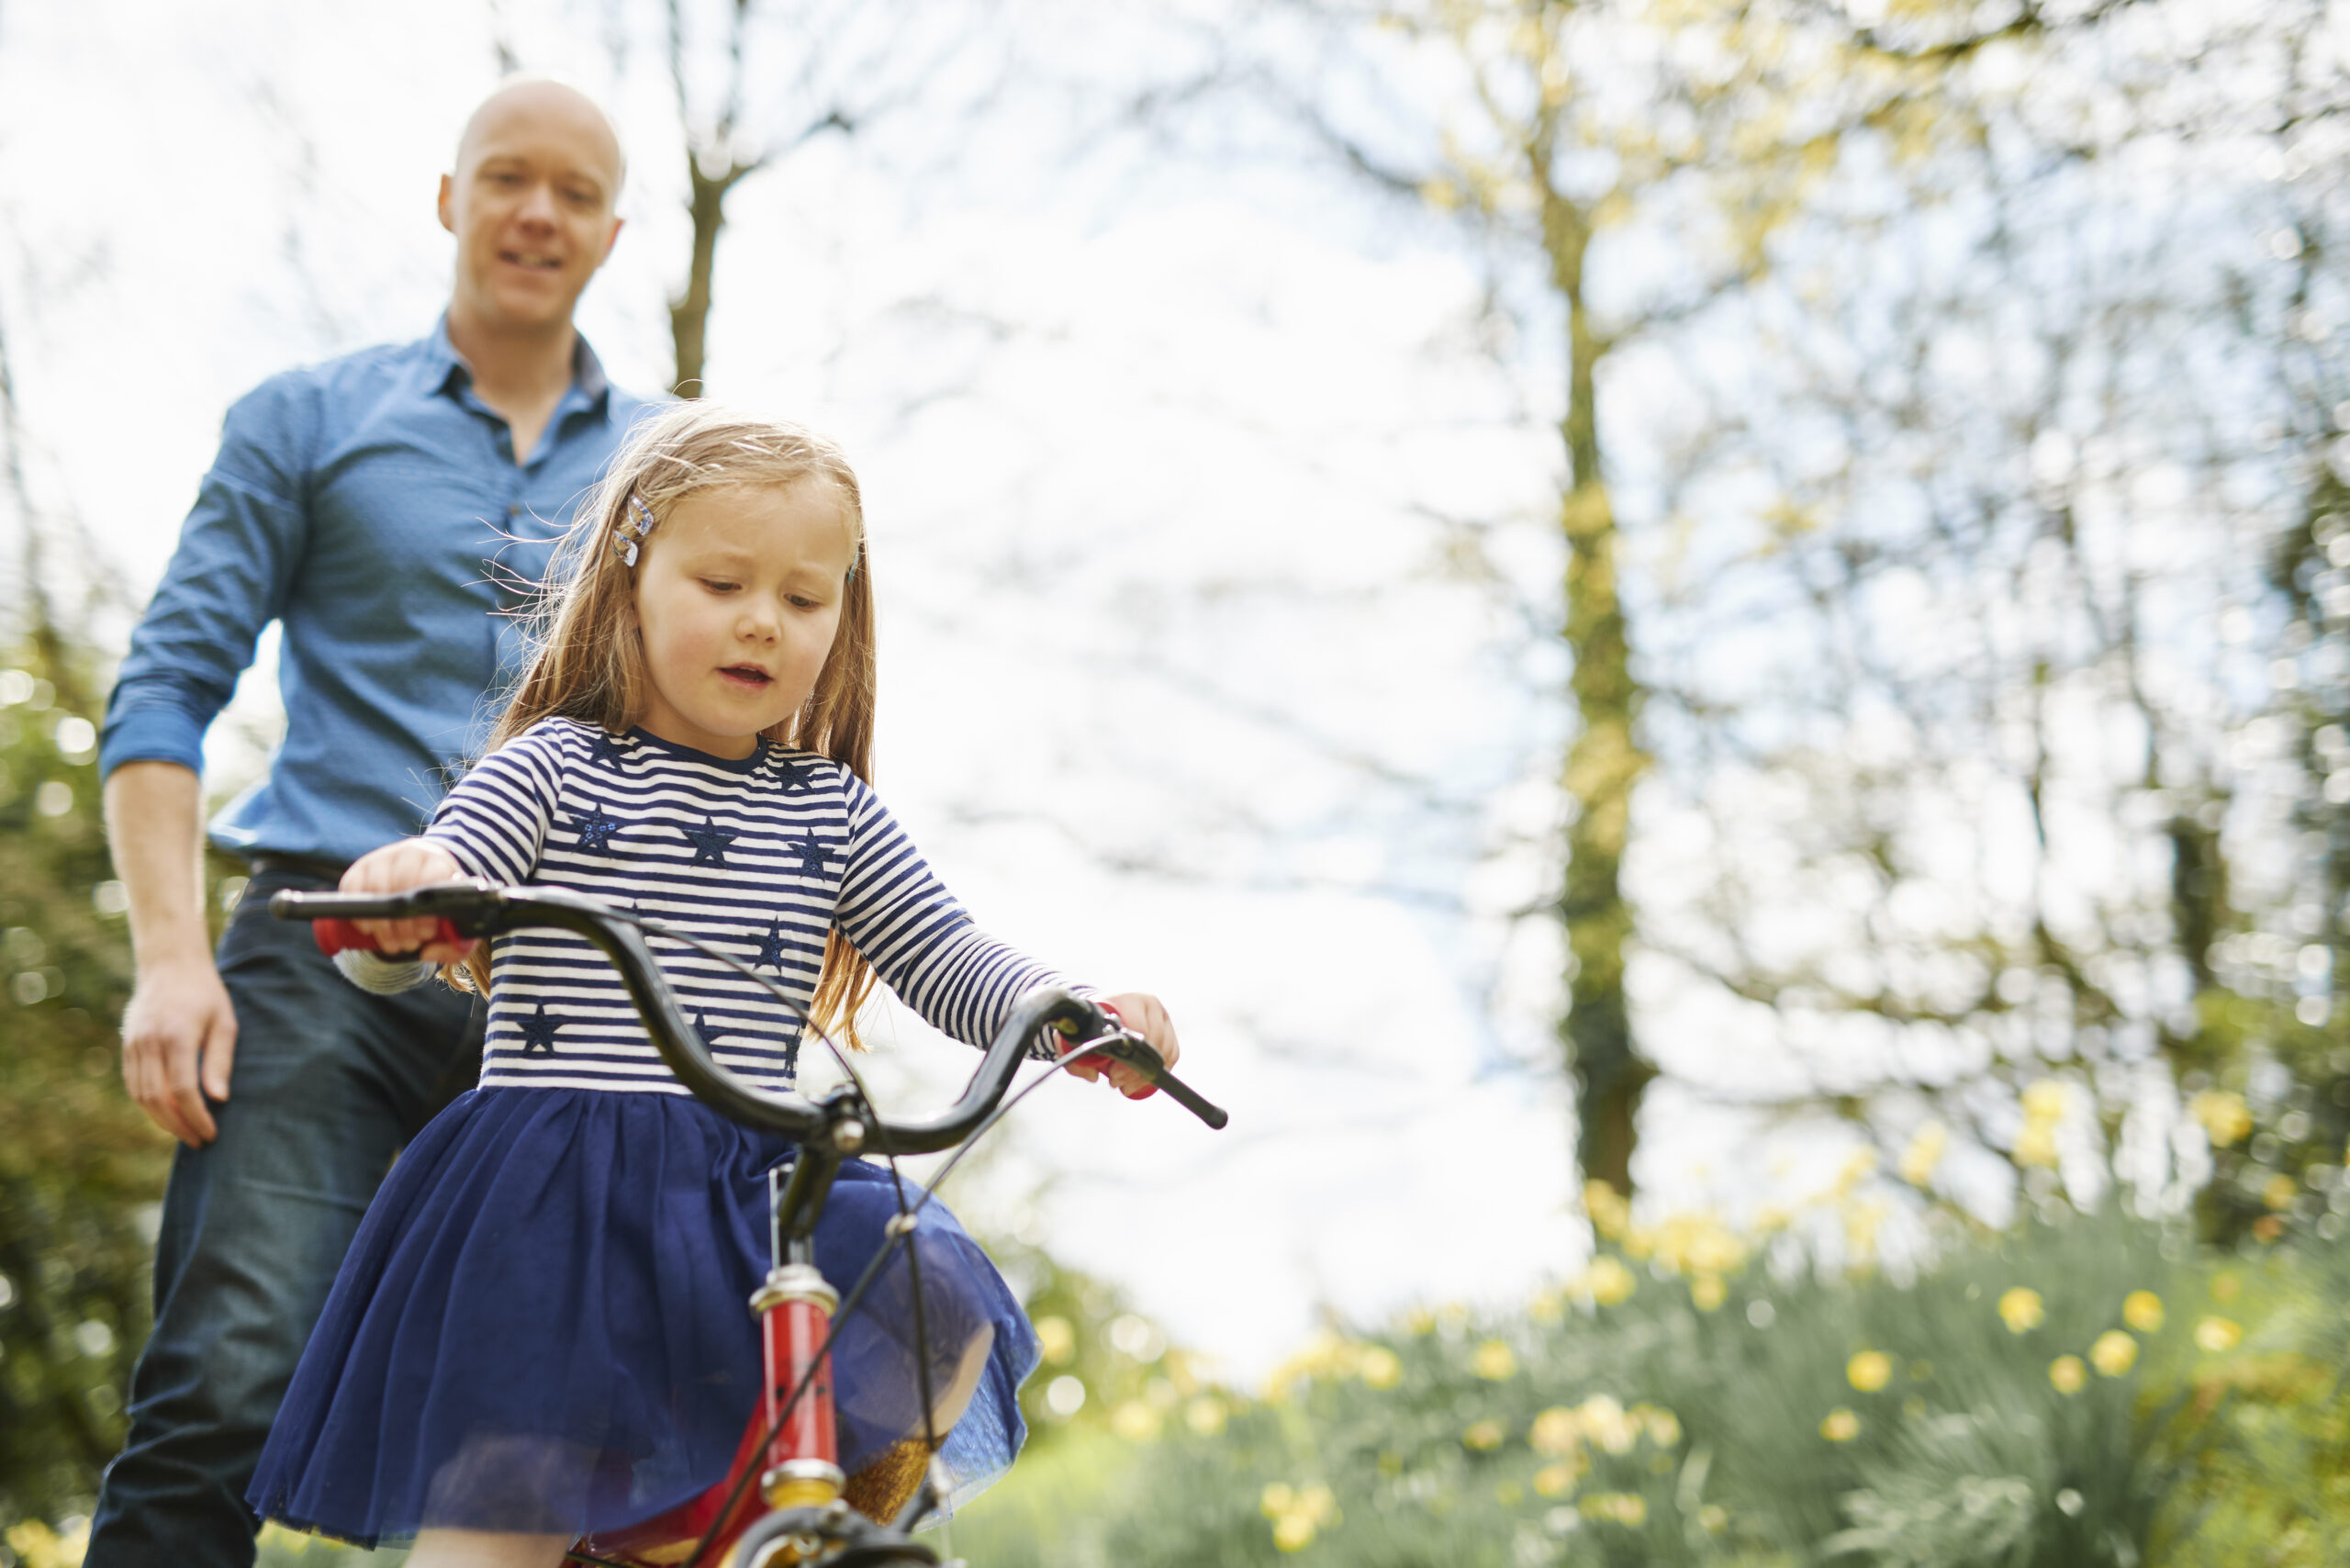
(610, 240)
(447, 202)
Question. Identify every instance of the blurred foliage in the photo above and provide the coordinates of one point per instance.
(82, 1170)
(2081, 1390)
(80, 1166)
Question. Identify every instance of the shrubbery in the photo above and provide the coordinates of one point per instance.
(2082, 1390)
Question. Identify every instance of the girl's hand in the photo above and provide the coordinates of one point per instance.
(395, 869)
(1146, 1016)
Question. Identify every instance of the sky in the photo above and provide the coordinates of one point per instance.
(1148, 438)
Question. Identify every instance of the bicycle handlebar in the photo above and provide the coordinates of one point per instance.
(474, 909)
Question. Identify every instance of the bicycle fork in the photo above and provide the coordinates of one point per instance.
(795, 1308)
(802, 1462)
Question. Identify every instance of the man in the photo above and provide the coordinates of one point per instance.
(383, 507)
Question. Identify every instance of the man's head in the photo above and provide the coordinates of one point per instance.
(531, 203)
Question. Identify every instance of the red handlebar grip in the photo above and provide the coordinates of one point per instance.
(334, 936)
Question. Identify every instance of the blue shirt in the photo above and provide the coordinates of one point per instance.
(372, 505)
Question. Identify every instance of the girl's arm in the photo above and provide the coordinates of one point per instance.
(491, 824)
(924, 944)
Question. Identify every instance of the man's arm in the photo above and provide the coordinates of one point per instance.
(179, 1034)
(228, 577)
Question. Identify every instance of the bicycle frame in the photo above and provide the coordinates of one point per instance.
(781, 1501)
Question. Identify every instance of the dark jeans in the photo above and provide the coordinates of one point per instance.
(328, 1084)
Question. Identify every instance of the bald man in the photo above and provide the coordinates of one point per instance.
(382, 508)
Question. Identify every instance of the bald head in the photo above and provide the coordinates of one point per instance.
(530, 202)
(537, 108)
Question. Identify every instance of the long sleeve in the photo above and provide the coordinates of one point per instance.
(385, 977)
(918, 938)
(229, 576)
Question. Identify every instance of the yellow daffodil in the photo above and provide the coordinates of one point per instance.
(1554, 1480)
(2114, 1353)
(2036, 1144)
(1840, 1426)
(1556, 1431)
(1607, 1282)
(2142, 1310)
(1924, 1154)
(2224, 1116)
(2022, 1309)
(1298, 1514)
(1610, 1214)
(1627, 1509)
(2218, 1334)
(2066, 1375)
(1869, 1371)
(1606, 1422)
(1494, 1362)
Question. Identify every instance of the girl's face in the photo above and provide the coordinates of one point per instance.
(738, 594)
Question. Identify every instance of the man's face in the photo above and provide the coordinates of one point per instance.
(530, 205)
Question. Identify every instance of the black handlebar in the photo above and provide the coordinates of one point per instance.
(479, 909)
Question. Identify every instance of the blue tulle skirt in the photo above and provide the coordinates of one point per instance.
(542, 1325)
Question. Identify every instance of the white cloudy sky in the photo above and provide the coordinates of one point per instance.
(1144, 439)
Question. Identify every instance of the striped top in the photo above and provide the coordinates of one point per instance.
(761, 857)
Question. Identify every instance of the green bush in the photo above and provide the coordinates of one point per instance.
(2084, 1389)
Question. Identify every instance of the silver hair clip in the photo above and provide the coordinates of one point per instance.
(635, 523)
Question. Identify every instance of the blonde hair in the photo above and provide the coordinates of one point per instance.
(589, 660)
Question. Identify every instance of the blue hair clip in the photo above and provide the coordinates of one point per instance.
(635, 523)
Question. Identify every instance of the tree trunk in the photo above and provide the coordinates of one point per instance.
(690, 312)
(1604, 762)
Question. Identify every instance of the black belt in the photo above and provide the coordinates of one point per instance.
(300, 865)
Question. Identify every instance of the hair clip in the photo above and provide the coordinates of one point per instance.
(635, 523)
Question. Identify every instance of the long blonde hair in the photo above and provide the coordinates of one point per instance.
(589, 660)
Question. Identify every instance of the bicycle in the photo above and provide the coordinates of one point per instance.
(782, 1502)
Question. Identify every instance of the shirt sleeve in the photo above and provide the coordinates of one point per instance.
(229, 576)
(384, 977)
(924, 944)
(494, 820)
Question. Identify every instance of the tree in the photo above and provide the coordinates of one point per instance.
(1626, 169)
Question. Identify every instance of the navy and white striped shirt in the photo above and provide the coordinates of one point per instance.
(761, 857)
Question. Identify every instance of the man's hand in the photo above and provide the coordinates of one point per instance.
(395, 869)
(179, 1039)
(179, 1034)
(1146, 1016)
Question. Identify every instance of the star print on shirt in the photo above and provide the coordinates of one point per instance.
(605, 746)
(701, 1026)
(791, 778)
(537, 1033)
(810, 851)
(710, 841)
(596, 829)
(771, 947)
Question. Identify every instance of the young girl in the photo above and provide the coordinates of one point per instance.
(540, 1330)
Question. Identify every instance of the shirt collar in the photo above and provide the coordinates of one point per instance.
(446, 369)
